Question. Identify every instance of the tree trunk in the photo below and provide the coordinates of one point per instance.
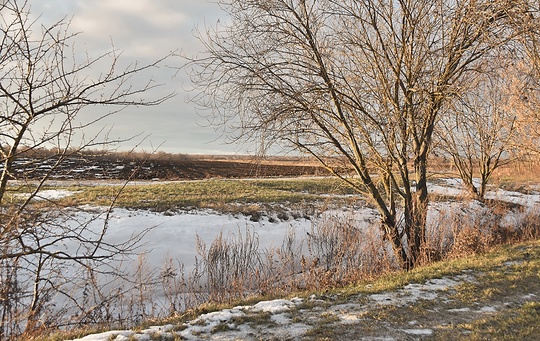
(415, 228)
(391, 231)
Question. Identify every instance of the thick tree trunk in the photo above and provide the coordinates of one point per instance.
(416, 215)
(416, 236)
(391, 231)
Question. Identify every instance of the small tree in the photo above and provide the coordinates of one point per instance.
(44, 85)
(478, 131)
(357, 84)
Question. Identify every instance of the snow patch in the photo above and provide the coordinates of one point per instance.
(459, 310)
(488, 310)
(413, 292)
(281, 318)
(348, 318)
(418, 331)
(273, 307)
(50, 194)
(119, 335)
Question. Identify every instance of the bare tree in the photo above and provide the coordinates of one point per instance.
(358, 84)
(525, 89)
(44, 85)
(478, 130)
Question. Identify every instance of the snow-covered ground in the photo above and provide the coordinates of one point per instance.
(49, 194)
(293, 319)
(174, 236)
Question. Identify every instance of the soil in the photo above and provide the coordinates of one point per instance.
(107, 167)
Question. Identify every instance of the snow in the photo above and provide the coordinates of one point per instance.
(207, 322)
(117, 335)
(274, 307)
(419, 332)
(49, 194)
(238, 326)
(174, 236)
(281, 318)
(488, 310)
(454, 188)
(459, 310)
(414, 292)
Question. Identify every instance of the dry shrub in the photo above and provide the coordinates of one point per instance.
(231, 265)
(455, 230)
(286, 263)
(439, 238)
(521, 224)
(470, 240)
(340, 253)
(529, 224)
(335, 252)
(472, 231)
(11, 297)
(476, 228)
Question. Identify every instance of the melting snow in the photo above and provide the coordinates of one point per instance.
(418, 331)
(50, 194)
(413, 292)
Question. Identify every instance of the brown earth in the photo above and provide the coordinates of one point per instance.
(166, 168)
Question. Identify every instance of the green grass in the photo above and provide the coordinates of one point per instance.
(521, 323)
(216, 194)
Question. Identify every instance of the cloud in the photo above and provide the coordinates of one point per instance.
(144, 30)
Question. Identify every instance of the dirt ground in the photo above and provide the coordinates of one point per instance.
(166, 168)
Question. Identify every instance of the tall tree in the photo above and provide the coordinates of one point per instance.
(525, 86)
(358, 84)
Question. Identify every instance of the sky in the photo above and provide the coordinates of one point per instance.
(145, 30)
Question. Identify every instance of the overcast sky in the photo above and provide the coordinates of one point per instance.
(145, 30)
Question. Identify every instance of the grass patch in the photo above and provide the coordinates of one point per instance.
(222, 327)
(222, 195)
(257, 318)
(515, 324)
(487, 262)
(496, 303)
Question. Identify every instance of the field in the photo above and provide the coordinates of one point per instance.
(162, 166)
(220, 240)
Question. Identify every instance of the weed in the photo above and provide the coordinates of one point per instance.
(327, 318)
(222, 327)
(259, 318)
